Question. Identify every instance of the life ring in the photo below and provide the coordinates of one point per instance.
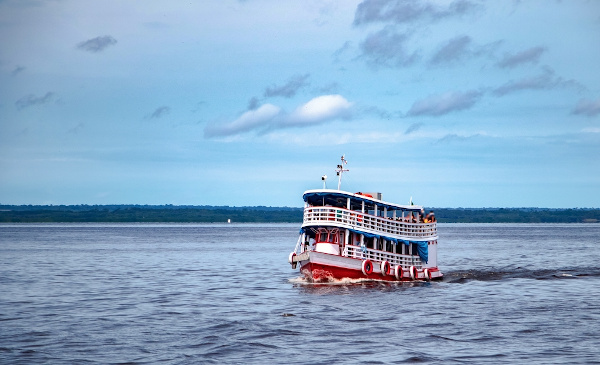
(367, 267)
(385, 268)
(413, 273)
(359, 218)
(427, 274)
(398, 272)
(291, 260)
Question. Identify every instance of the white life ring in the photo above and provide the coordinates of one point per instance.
(291, 257)
(427, 274)
(398, 272)
(367, 267)
(413, 273)
(385, 268)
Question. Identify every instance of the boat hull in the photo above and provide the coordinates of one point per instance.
(323, 267)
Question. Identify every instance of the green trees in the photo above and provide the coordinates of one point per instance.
(170, 213)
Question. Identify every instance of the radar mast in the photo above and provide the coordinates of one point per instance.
(340, 170)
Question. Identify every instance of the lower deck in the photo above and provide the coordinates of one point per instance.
(324, 267)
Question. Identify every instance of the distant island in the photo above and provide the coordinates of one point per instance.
(261, 214)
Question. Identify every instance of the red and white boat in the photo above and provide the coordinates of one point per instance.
(359, 236)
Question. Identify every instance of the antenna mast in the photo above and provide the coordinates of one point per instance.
(340, 170)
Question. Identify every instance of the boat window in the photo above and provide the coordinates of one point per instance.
(388, 246)
(413, 249)
(323, 237)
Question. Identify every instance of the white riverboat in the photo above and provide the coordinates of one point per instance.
(360, 236)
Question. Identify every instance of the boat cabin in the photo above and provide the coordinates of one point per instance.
(328, 240)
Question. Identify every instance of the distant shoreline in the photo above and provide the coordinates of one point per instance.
(216, 214)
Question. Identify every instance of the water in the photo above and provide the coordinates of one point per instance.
(179, 294)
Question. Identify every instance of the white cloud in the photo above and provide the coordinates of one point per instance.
(267, 117)
(591, 130)
(250, 120)
(319, 110)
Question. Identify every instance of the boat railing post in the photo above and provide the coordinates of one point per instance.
(300, 239)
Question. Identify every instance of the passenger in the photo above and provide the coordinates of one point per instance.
(431, 216)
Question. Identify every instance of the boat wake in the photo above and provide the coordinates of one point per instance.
(465, 276)
(520, 273)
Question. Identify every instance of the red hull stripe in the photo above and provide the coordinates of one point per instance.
(325, 273)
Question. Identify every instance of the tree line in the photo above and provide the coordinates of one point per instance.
(213, 214)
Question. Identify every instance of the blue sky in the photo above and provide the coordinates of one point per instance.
(456, 103)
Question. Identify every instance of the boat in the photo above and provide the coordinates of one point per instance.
(348, 235)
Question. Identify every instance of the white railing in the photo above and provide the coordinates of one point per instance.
(396, 228)
(376, 255)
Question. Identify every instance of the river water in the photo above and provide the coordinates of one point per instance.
(225, 294)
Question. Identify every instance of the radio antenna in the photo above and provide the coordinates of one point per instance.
(340, 170)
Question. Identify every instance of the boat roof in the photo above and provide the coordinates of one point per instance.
(338, 198)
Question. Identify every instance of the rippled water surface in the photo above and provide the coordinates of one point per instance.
(178, 294)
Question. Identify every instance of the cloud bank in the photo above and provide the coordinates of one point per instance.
(407, 11)
(413, 128)
(31, 100)
(160, 112)
(267, 117)
(545, 81)
(461, 49)
(531, 55)
(289, 89)
(454, 50)
(437, 105)
(387, 48)
(17, 70)
(590, 108)
(97, 44)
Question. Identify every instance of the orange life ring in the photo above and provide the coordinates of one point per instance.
(367, 267)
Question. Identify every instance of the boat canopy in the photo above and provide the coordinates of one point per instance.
(338, 198)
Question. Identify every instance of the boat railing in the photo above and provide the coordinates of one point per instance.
(394, 259)
(334, 216)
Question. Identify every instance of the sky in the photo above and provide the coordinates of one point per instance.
(455, 103)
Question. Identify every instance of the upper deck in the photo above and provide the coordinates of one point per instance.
(365, 214)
